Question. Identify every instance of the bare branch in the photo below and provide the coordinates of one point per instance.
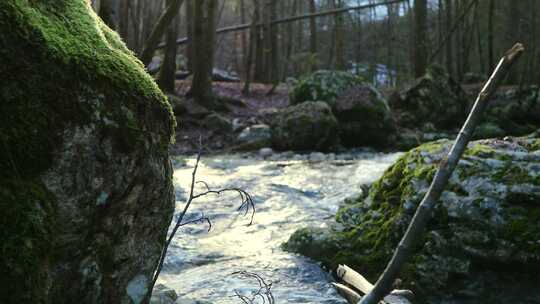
(246, 203)
(264, 292)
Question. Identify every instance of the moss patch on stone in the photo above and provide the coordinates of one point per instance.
(59, 48)
(486, 219)
(26, 240)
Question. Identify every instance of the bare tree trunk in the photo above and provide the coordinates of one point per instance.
(253, 37)
(204, 14)
(189, 32)
(166, 77)
(340, 43)
(96, 4)
(420, 34)
(123, 20)
(270, 41)
(108, 11)
(243, 36)
(424, 211)
(313, 30)
(491, 56)
(158, 30)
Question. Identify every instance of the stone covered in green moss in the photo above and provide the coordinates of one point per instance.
(323, 85)
(307, 126)
(85, 181)
(515, 112)
(364, 117)
(434, 98)
(485, 229)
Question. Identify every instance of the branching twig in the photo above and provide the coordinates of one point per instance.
(446, 167)
(246, 203)
(264, 292)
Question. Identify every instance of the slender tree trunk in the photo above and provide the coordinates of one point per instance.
(253, 40)
(123, 20)
(96, 4)
(480, 48)
(189, 34)
(166, 77)
(159, 29)
(243, 36)
(459, 39)
(340, 43)
(313, 31)
(420, 30)
(108, 11)
(491, 55)
(204, 14)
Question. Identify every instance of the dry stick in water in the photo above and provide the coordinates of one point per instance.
(446, 167)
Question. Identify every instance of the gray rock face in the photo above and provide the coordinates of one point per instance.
(483, 243)
(364, 117)
(306, 126)
(255, 137)
(87, 196)
(163, 295)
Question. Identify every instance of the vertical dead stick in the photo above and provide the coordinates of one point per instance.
(446, 167)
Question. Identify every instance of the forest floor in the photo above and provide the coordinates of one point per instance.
(242, 111)
(256, 108)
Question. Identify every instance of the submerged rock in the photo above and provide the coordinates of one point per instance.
(364, 117)
(435, 98)
(483, 243)
(163, 295)
(307, 126)
(85, 178)
(255, 137)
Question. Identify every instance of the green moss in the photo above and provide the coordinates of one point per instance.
(479, 150)
(510, 174)
(522, 229)
(73, 67)
(323, 85)
(26, 240)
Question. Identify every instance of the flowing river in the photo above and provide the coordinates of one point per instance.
(289, 192)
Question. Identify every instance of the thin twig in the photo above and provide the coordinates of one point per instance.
(264, 292)
(246, 202)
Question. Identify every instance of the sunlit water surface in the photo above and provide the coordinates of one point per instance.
(288, 195)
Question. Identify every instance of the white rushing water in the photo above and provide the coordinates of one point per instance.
(288, 195)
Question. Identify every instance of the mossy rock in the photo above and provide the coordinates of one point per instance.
(485, 228)
(84, 148)
(488, 130)
(322, 85)
(306, 126)
(435, 98)
(364, 117)
(516, 112)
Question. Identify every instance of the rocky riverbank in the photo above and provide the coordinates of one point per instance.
(483, 243)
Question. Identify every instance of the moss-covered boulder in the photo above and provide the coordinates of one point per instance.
(434, 98)
(307, 126)
(485, 230)
(515, 112)
(364, 117)
(85, 178)
(322, 85)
